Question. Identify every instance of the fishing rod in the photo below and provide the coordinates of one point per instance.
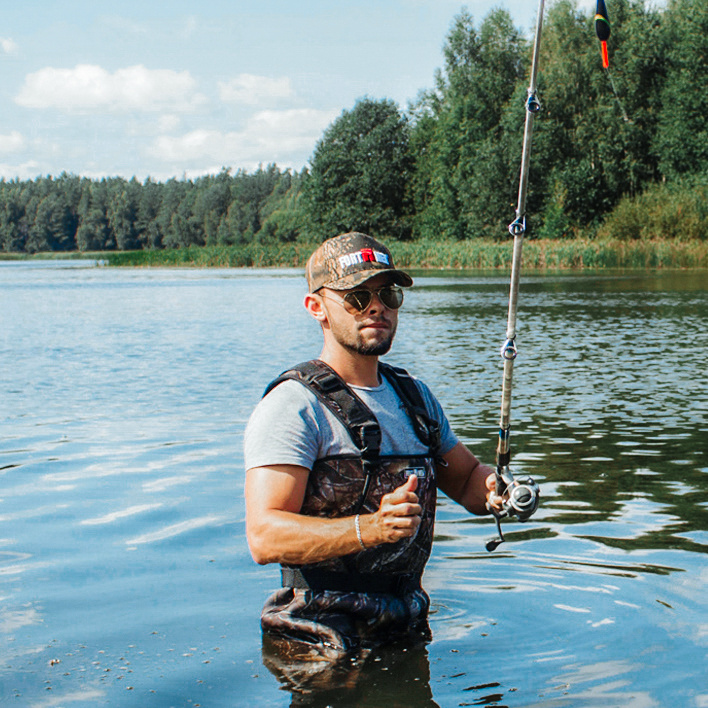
(520, 496)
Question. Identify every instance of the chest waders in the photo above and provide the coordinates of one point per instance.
(340, 601)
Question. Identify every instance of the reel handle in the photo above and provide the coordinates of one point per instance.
(520, 498)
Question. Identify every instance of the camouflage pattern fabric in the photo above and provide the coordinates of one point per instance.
(333, 491)
(333, 623)
(348, 260)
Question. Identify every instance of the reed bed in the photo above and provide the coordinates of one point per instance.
(252, 255)
(551, 254)
(473, 254)
(543, 254)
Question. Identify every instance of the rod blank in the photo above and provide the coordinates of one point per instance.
(517, 229)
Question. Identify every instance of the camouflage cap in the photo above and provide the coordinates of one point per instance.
(348, 260)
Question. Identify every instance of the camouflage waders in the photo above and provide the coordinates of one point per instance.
(342, 604)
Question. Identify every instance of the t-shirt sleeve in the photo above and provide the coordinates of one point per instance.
(448, 439)
(283, 429)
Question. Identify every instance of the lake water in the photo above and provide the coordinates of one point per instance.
(125, 579)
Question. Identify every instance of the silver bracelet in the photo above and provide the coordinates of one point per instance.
(358, 532)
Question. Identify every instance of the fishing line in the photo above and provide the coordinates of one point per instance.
(625, 117)
(603, 31)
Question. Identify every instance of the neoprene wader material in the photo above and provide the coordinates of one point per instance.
(343, 603)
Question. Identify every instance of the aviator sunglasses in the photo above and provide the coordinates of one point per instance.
(356, 301)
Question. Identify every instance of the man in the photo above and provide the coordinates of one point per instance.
(345, 500)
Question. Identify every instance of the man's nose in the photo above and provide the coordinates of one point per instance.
(376, 303)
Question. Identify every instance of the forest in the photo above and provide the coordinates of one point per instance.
(619, 153)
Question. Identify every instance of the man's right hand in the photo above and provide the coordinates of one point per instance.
(398, 516)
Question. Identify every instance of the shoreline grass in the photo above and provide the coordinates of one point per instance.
(545, 254)
(555, 254)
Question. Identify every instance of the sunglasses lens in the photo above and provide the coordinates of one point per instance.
(359, 299)
(391, 297)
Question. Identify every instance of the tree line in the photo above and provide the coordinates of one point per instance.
(76, 213)
(447, 166)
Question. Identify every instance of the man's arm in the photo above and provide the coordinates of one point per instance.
(278, 533)
(466, 480)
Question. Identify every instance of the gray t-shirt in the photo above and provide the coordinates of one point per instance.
(290, 426)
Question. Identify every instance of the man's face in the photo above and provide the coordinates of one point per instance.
(369, 332)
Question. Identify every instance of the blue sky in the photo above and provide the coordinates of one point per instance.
(174, 89)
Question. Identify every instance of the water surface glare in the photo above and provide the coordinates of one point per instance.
(124, 574)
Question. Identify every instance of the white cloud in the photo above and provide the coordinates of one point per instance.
(7, 45)
(254, 90)
(14, 142)
(27, 170)
(89, 88)
(283, 137)
(289, 130)
(168, 123)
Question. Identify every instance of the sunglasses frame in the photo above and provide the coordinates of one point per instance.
(355, 308)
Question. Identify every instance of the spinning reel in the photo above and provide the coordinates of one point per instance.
(520, 498)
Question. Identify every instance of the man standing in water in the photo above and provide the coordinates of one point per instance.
(344, 457)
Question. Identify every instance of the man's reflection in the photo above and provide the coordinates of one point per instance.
(391, 675)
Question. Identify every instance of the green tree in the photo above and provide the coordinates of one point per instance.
(54, 225)
(282, 212)
(121, 211)
(39, 230)
(359, 174)
(591, 142)
(146, 223)
(213, 194)
(681, 143)
(94, 233)
(463, 177)
(13, 227)
(171, 193)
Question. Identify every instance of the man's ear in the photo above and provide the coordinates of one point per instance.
(313, 304)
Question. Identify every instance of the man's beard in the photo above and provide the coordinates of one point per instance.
(373, 349)
(358, 346)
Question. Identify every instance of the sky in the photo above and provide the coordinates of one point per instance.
(163, 89)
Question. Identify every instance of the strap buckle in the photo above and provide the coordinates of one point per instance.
(326, 381)
(370, 438)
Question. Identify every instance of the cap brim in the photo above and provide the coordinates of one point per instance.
(400, 277)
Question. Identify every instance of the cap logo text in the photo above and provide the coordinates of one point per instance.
(364, 255)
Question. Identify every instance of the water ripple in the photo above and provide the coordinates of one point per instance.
(176, 529)
(121, 504)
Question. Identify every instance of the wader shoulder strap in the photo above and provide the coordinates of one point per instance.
(334, 393)
(426, 428)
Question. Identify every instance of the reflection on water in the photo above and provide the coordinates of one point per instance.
(124, 575)
(391, 676)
